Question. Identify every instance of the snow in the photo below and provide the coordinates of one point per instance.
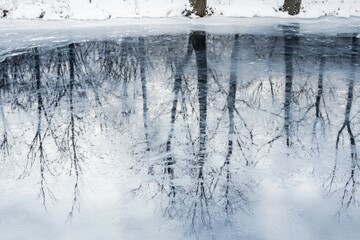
(105, 9)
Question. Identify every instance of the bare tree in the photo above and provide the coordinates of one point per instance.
(199, 7)
(292, 6)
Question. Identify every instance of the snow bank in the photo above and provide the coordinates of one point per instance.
(105, 9)
(269, 8)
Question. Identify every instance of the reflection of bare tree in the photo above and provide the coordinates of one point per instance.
(20, 84)
(37, 146)
(4, 144)
(349, 189)
(72, 132)
(60, 66)
(271, 83)
(290, 41)
(233, 198)
(187, 109)
(231, 107)
(109, 62)
(85, 71)
(4, 75)
(320, 104)
(170, 160)
(319, 118)
(142, 56)
(128, 70)
(200, 215)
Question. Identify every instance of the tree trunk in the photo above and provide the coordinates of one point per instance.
(292, 6)
(199, 7)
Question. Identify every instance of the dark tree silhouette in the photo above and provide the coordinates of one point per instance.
(199, 7)
(292, 6)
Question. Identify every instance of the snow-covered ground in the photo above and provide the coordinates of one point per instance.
(105, 9)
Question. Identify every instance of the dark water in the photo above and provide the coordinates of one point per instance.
(195, 112)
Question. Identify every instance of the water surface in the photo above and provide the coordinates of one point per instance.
(202, 127)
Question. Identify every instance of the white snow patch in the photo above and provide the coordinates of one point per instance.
(105, 9)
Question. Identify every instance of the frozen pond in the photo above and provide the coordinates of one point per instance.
(201, 131)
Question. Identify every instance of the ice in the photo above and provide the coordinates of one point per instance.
(26, 33)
